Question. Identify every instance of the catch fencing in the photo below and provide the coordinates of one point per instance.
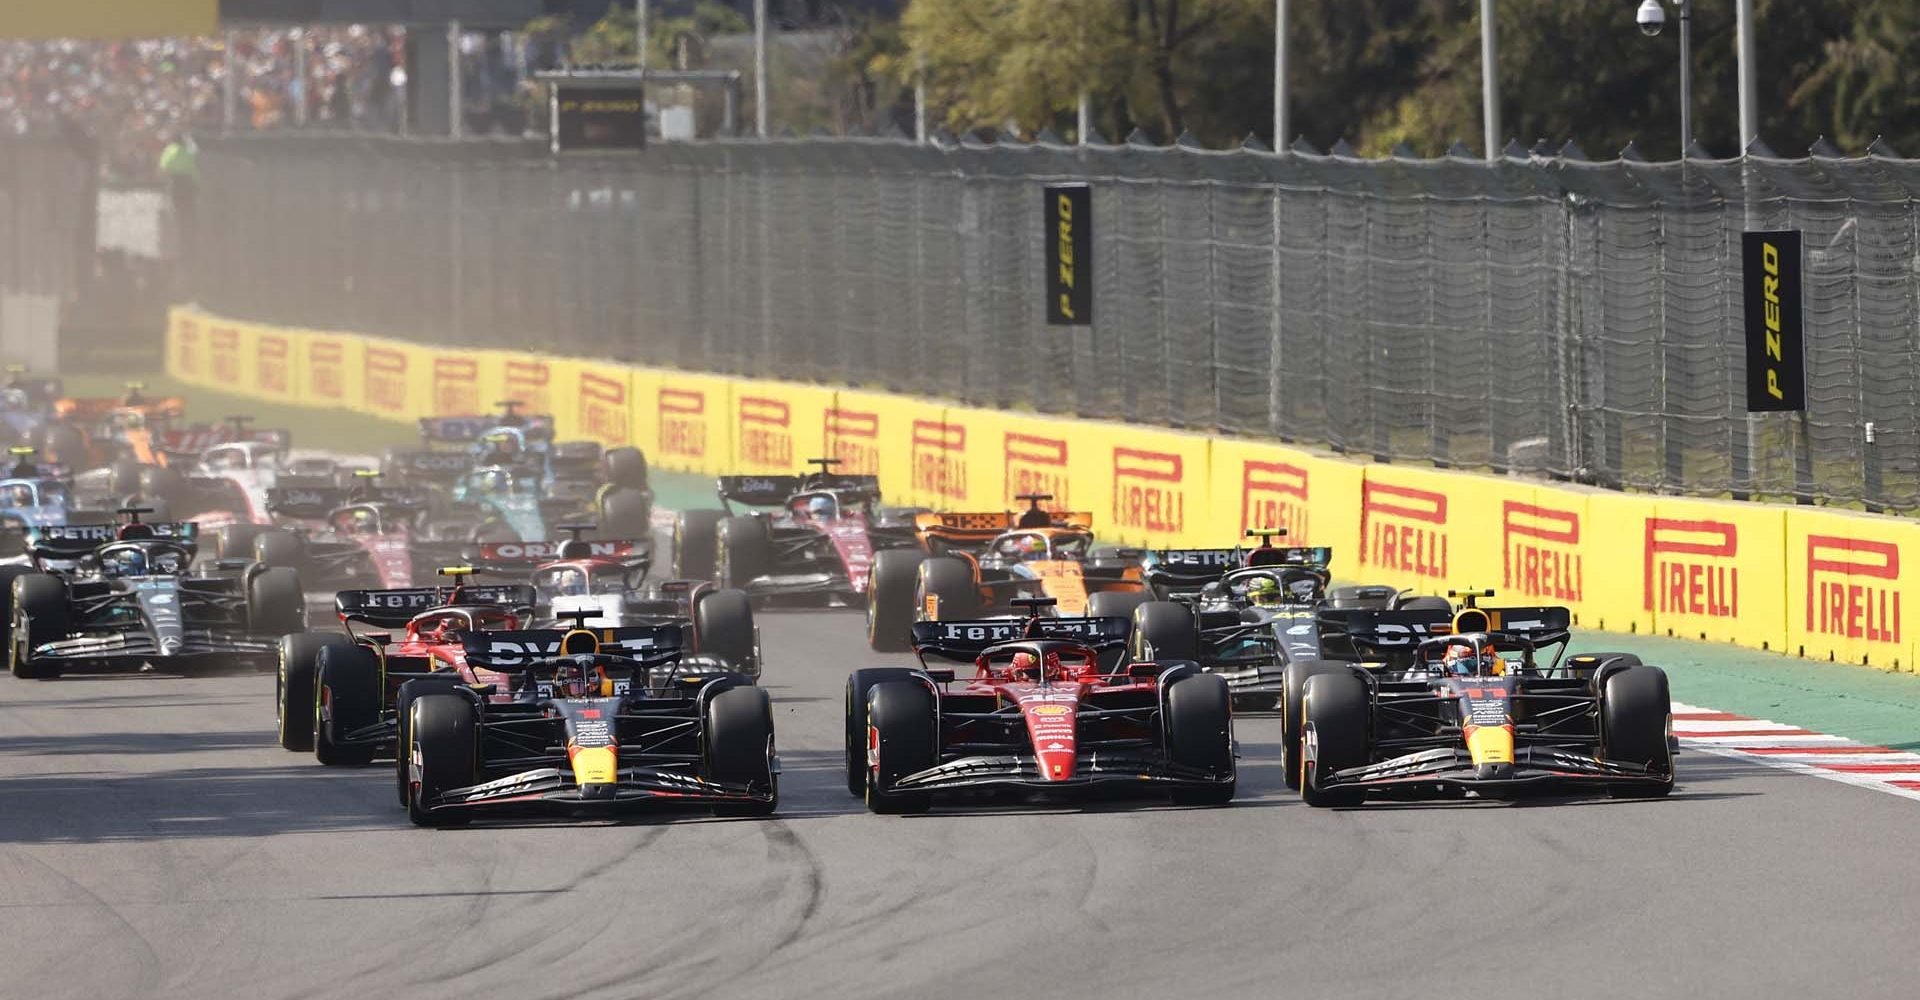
(1547, 314)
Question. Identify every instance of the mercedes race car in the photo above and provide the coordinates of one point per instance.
(124, 598)
(587, 721)
(817, 540)
(1047, 711)
(1473, 707)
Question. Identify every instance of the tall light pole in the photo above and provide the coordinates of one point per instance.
(760, 68)
(1280, 130)
(1490, 79)
(1652, 16)
(640, 34)
(1749, 104)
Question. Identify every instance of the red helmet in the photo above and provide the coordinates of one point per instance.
(1024, 662)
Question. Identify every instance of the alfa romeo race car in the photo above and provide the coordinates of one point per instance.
(352, 538)
(123, 598)
(597, 722)
(818, 540)
(1472, 707)
(1045, 712)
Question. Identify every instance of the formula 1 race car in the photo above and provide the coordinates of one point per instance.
(1048, 711)
(1476, 710)
(123, 598)
(818, 541)
(346, 538)
(587, 721)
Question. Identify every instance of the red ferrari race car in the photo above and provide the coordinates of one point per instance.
(1048, 711)
(362, 536)
(813, 536)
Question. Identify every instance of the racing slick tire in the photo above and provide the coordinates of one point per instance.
(860, 684)
(1635, 709)
(7, 575)
(740, 747)
(743, 551)
(280, 547)
(890, 599)
(347, 698)
(1293, 688)
(902, 713)
(293, 687)
(410, 692)
(1199, 733)
(40, 611)
(1425, 604)
(626, 512)
(276, 605)
(446, 731)
(1115, 603)
(494, 530)
(1162, 631)
(951, 584)
(626, 468)
(1592, 666)
(723, 626)
(696, 543)
(235, 541)
(1334, 710)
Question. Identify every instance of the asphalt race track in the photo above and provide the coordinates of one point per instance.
(154, 842)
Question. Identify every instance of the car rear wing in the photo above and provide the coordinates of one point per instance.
(40, 389)
(191, 441)
(1386, 632)
(459, 430)
(628, 550)
(433, 466)
(1182, 569)
(521, 649)
(305, 502)
(94, 409)
(71, 541)
(965, 640)
(395, 608)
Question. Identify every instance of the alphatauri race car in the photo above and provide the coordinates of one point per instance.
(123, 598)
(1048, 711)
(587, 721)
(1474, 708)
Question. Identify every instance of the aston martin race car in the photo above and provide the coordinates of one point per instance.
(1047, 711)
(805, 536)
(1474, 707)
(588, 721)
(123, 598)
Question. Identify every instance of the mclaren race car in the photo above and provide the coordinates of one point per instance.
(587, 721)
(124, 598)
(1047, 711)
(1475, 708)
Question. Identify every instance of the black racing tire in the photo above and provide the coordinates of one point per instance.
(235, 541)
(696, 535)
(743, 551)
(276, 603)
(861, 683)
(1635, 713)
(445, 732)
(1590, 665)
(626, 468)
(723, 626)
(1199, 734)
(890, 599)
(740, 747)
(1335, 707)
(66, 446)
(280, 547)
(626, 513)
(348, 697)
(40, 615)
(903, 714)
(1293, 688)
(952, 586)
(7, 575)
(1164, 631)
(1425, 603)
(494, 530)
(403, 700)
(1115, 603)
(293, 688)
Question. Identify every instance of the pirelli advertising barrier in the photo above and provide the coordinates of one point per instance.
(1823, 584)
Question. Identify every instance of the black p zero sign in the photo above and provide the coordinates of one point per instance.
(1069, 263)
(587, 117)
(1776, 354)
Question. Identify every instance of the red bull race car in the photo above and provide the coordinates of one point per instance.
(1048, 711)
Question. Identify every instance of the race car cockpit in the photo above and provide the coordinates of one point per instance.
(129, 559)
(1031, 546)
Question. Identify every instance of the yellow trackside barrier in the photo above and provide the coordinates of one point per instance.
(1846, 592)
(1821, 583)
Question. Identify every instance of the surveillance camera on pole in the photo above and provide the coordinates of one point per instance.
(1651, 18)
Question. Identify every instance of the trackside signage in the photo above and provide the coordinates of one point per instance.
(1037, 464)
(1691, 568)
(223, 354)
(386, 379)
(1068, 218)
(530, 383)
(940, 460)
(1274, 495)
(1540, 551)
(187, 356)
(326, 369)
(766, 432)
(1404, 529)
(683, 423)
(1853, 589)
(272, 355)
(604, 413)
(1775, 319)
(853, 437)
(456, 385)
(1148, 490)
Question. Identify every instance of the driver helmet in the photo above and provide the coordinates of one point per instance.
(14, 399)
(820, 508)
(19, 495)
(362, 521)
(571, 677)
(1025, 663)
(1030, 546)
(1460, 661)
(1264, 592)
(125, 562)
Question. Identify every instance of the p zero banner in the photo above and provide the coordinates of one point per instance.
(1776, 320)
(589, 117)
(1069, 262)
